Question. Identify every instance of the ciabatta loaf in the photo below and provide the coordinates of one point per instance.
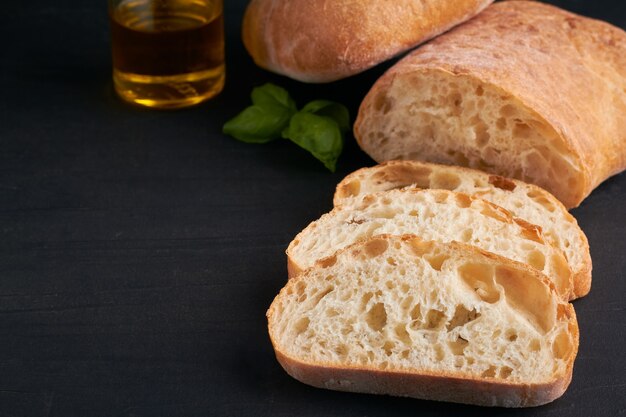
(400, 316)
(322, 41)
(524, 90)
(433, 215)
(525, 201)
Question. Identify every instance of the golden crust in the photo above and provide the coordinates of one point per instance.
(323, 40)
(438, 386)
(570, 71)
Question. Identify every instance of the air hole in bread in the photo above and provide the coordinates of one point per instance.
(461, 317)
(365, 299)
(328, 262)
(300, 288)
(402, 334)
(562, 271)
(501, 124)
(416, 316)
(463, 200)
(347, 329)
(420, 248)
(406, 303)
(351, 189)
(434, 319)
(439, 353)
(388, 347)
(529, 296)
(341, 350)
(522, 130)
(480, 278)
(489, 372)
(537, 260)
(321, 295)
(530, 232)
(505, 372)
(332, 312)
(511, 335)
(479, 91)
(562, 345)
(376, 317)
(481, 133)
(457, 347)
(541, 200)
(502, 183)
(376, 247)
(301, 325)
(467, 235)
(436, 261)
(491, 211)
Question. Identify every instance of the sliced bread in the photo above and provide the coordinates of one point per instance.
(400, 316)
(525, 201)
(433, 215)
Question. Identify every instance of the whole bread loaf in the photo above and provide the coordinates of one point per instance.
(524, 201)
(324, 40)
(400, 316)
(524, 90)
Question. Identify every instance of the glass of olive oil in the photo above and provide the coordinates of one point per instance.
(167, 53)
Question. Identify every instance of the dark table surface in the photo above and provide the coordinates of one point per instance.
(140, 249)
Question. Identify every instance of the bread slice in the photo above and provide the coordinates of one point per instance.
(322, 41)
(400, 316)
(433, 215)
(525, 201)
(524, 90)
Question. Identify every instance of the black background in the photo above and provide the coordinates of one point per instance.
(140, 249)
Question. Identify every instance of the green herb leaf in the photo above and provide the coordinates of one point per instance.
(265, 120)
(272, 95)
(319, 135)
(338, 112)
(258, 124)
(318, 128)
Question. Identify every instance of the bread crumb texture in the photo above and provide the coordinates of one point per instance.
(400, 304)
(433, 215)
(524, 201)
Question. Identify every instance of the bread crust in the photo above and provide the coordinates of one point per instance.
(438, 386)
(323, 40)
(397, 174)
(567, 70)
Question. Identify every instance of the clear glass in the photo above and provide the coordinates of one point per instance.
(167, 53)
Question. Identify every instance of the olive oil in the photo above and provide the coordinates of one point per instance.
(167, 53)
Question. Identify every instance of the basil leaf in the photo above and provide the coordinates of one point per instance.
(338, 112)
(272, 95)
(258, 124)
(319, 135)
(265, 120)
